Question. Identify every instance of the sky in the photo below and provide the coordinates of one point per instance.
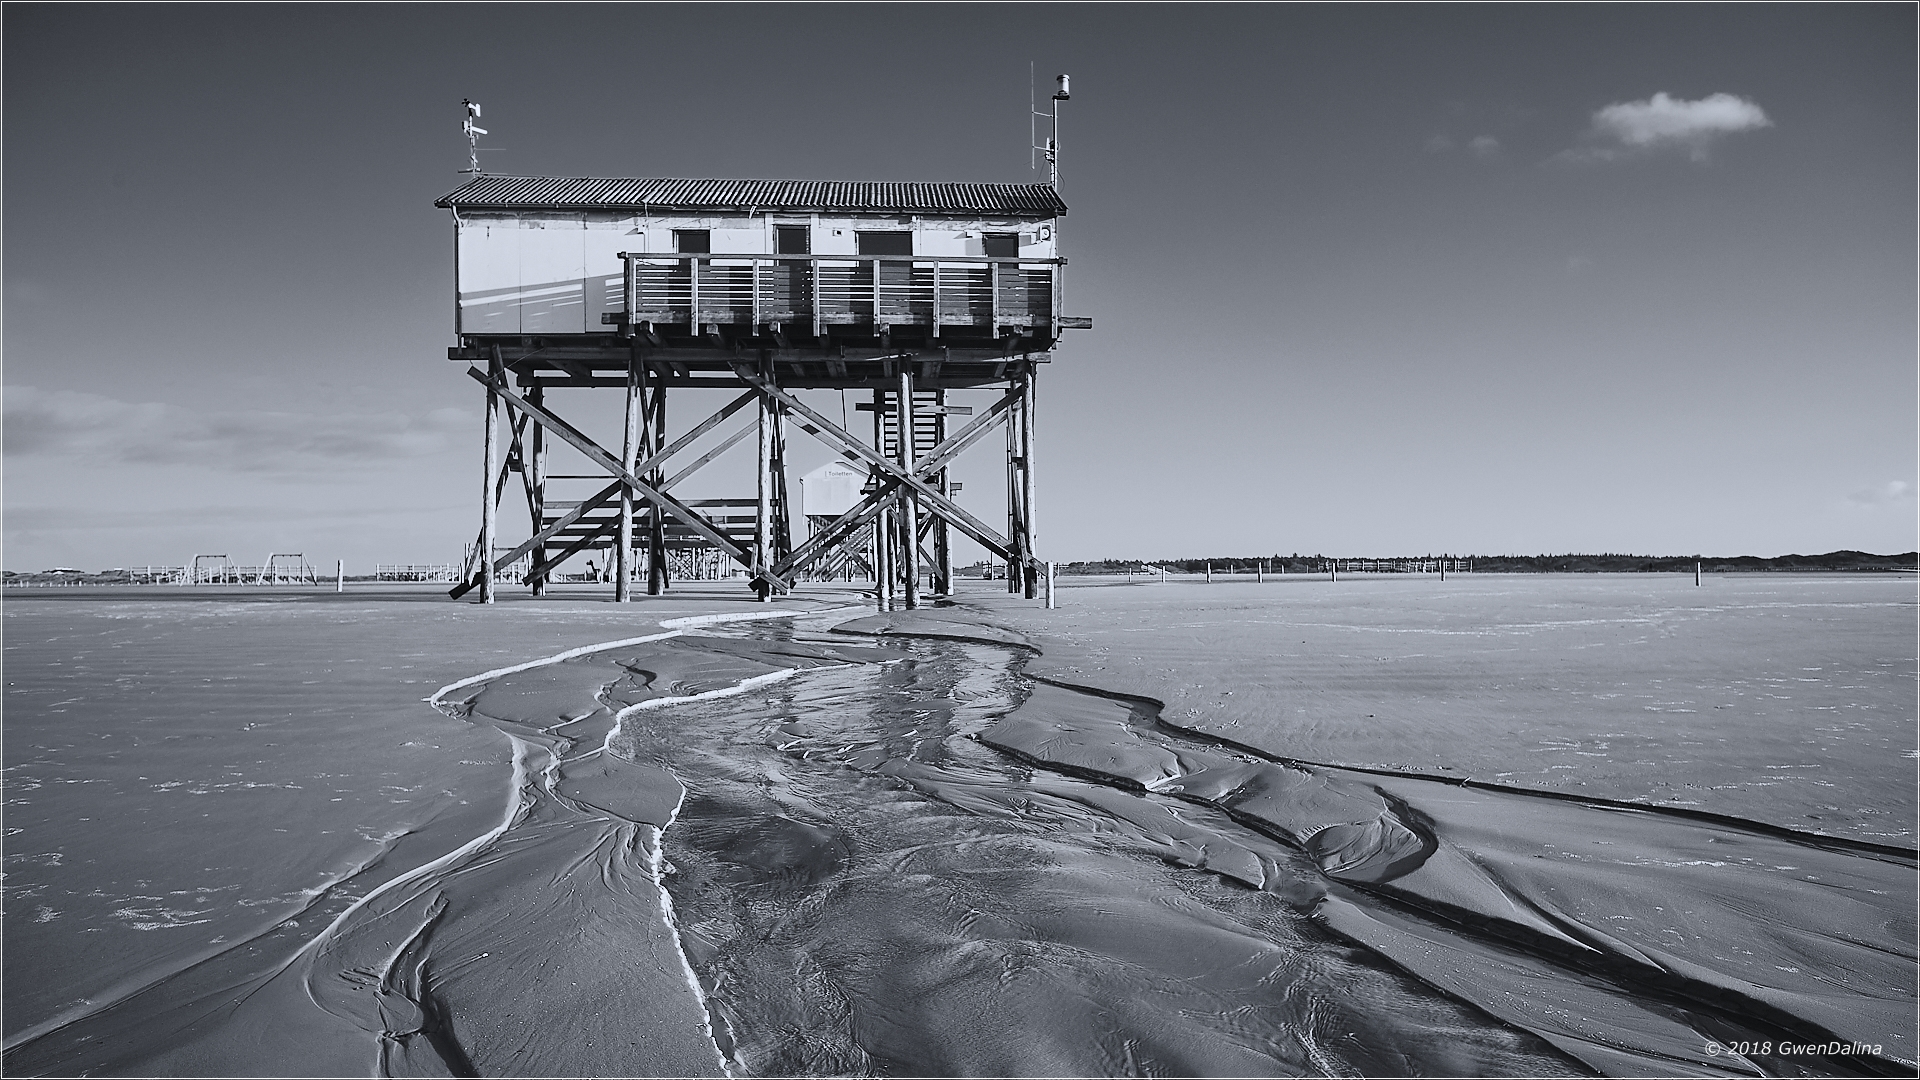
(1364, 280)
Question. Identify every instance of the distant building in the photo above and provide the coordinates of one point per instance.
(831, 490)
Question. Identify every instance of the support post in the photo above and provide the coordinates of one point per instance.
(629, 449)
(488, 505)
(763, 506)
(1026, 479)
(537, 394)
(883, 561)
(910, 504)
(339, 575)
(656, 429)
(1049, 586)
(1016, 515)
(882, 525)
(942, 542)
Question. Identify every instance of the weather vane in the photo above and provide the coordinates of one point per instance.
(1052, 146)
(474, 132)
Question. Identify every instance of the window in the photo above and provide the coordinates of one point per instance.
(792, 240)
(893, 242)
(1001, 245)
(693, 241)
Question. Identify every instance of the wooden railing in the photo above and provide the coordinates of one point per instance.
(829, 290)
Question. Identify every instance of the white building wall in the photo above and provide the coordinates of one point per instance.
(832, 489)
(557, 273)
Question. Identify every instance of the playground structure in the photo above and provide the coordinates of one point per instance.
(286, 569)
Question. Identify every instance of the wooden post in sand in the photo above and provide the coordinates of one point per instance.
(763, 505)
(1260, 572)
(1049, 586)
(1696, 573)
(1209, 573)
(910, 505)
(488, 508)
(339, 575)
(537, 490)
(629, 456)
(653, 430)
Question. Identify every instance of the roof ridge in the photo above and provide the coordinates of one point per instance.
(737, 180)
(876, 196)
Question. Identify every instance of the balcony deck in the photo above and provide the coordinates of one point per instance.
(817, 291)
(823, 320)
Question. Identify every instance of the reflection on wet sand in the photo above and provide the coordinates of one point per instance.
(772, 849)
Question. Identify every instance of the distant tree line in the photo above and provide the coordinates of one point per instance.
(1503, 564)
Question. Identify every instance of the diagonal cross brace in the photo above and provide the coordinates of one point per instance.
(951, 447)
(843, 525)
(612, 491)
(576, 547)
(601, 498)
(825, 430)
(599, 456)
(888, 494)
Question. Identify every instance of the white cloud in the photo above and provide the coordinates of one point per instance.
(1889, 492)
(1663, 121)
(1484, 145)
(101, 430)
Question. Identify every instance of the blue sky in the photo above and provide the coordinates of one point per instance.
(1364, 280)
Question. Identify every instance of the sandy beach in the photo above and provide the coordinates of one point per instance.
(1492, 826)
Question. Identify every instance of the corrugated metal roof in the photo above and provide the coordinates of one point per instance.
(586, 193)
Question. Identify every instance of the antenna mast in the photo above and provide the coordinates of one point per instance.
(1052, 146)
(473, 137)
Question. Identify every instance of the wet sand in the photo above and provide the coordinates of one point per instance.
(1124, 836)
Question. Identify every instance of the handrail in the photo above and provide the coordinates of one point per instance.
(855, 260)
(942, 290)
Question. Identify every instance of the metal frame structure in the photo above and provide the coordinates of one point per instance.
(905, 329)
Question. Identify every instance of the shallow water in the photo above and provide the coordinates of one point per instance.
(910, 856)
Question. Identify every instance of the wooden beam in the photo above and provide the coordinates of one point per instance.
(654, 463)
(823, 429)
(573, 549)
(496, 376)
(703, 459)
(599, 456)
(629, 450)
(656, 426)
(602, 498)
(1026, 484)
(763, 503)
(909, 506)
(537, 490)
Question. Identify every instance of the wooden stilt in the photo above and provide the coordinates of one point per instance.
(780, 546)
(1026, 483)
(883, 543)
(629, 451)
(763, 507)
(538, 484)
(489, 504)
(910, 505)
(882, 525)
(1016, 558)
(942, 545)
(656, 520)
